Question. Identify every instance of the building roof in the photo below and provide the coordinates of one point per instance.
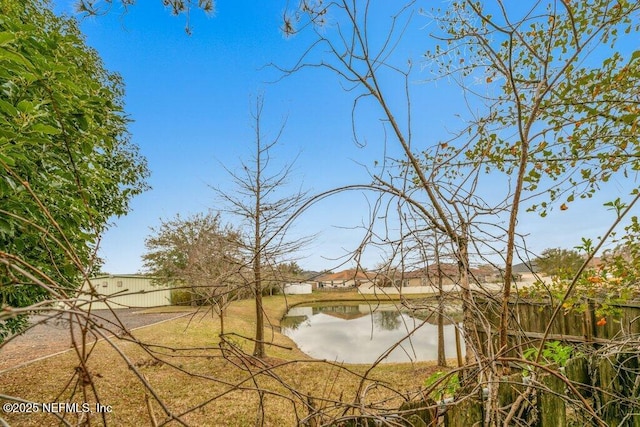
(525, 267)
(351, 274)
(123, 276)
(448, 270)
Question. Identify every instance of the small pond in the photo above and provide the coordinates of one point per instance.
(360, 333)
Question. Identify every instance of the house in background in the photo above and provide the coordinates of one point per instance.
(345, 279)
(426, 280)
(446, 273)
(123, 291)
(527, 273)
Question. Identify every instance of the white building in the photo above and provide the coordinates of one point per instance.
(298, 288)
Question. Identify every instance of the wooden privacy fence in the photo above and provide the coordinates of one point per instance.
(529, 321)
(609, 384)
(601, 379)
(605, 374)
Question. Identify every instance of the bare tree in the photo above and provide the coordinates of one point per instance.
(260, 200)
(365, 66)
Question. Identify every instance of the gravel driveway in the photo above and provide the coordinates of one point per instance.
(52, 335)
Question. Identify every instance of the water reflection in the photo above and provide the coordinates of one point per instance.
(388, 320)
(356, 334)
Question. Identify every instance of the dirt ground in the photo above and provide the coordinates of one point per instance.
(52, 335)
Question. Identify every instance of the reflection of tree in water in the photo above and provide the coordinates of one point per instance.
(452, 313)
(387, 320)
(292, 322)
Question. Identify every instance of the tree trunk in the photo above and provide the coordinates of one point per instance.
(222, 323)
(471, 340)
(194, 297)
(442, 358)
(222, 307)
(258, 350)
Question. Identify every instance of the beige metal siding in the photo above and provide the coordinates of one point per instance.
(125, 291)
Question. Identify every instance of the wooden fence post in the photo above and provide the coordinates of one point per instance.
(420, 413)
(509, 389)
(577, 371)
(551, 404)
(465, 413)
(618, 389)
(589, 321)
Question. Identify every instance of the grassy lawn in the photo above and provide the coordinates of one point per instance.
(194, 369)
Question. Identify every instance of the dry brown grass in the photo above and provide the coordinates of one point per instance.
(183, 361)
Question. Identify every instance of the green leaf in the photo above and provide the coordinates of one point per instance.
(86, 147)
(26, 106)
(6, 37)
(48, 129)
(8, 108)
(8, 160)
(6, 55)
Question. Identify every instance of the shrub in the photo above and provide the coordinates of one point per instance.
(180, 297)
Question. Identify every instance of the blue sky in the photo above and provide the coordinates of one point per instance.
(190, 101)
